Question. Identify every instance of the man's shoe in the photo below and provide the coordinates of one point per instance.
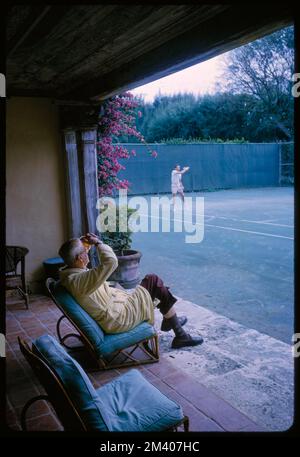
(166, 325)
(186, 340)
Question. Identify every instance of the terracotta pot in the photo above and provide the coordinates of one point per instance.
(128, 272)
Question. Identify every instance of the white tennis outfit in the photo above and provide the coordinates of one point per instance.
(176, 183)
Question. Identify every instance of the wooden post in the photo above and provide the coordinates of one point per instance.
(90, 184)
(75, 218)
(80, 132)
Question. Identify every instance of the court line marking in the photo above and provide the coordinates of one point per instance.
(222, 227)
(251, 231)
(264, 222)
(245, 220)
(268, 220)
(254, 222)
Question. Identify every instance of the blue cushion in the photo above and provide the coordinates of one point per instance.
(54, 261)
(103, 343)
(113, 342)
(74, 379)
(131, 403)
(85, 322)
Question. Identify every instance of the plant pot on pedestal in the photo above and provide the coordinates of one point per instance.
(128, 272)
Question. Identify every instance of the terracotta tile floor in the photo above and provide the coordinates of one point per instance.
(206, 411)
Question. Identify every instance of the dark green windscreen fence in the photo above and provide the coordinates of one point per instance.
(212, 166)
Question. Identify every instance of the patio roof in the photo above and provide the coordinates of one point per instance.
(82, 52)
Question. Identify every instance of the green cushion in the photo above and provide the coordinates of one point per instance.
(103, 343)
(131, 403)
(74, 379)
(113, 342)
(54, 261)
(128, 403)
(82, 319)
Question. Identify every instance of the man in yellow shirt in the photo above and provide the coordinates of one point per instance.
(117, 310)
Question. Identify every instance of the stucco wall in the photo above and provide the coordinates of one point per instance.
(35, 192)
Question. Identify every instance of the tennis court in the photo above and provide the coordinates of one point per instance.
(243, 268)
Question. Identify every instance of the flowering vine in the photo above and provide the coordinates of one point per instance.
(117, 118)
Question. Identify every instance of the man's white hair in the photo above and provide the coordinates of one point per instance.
(70, 250)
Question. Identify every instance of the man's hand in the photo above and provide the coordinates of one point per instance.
(185, 169)
(90, 238)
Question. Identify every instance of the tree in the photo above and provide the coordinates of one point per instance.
(254, 103)
(263, 69)
(184, 116)
(173, 117)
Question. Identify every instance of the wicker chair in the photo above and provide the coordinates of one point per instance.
(135, 347)
(13, 256)
(128, 403)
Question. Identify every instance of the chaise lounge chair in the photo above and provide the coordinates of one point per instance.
(135, 347)
(128, 403)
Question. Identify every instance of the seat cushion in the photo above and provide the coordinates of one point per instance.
(79, 316)
(131, 403)
(113, 342)
(74, 380)
(103, 343)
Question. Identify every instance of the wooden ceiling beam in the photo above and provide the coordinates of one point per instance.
(78, 54)
(35, 17)
(40, 22)
(229, 29)
(115, 42)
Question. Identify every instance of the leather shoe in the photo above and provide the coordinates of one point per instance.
(186, 340)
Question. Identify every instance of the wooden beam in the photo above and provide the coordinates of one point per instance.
(35, 15)
(26, 29)
(84, 103)
(229, 29)
(106, 43)
(38, 25)
(75, 222)
(90, 183)
(80, 115)
(81, 181)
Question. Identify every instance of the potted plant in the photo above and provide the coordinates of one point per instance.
(128, 273)
(117, 118)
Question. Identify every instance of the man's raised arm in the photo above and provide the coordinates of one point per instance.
(185, 169)
(88, 281)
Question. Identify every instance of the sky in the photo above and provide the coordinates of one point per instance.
(198, 79)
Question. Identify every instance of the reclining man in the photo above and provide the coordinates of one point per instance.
(117, 310)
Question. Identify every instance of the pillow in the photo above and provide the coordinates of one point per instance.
(85, 322)
(74, 379)
(131, 403)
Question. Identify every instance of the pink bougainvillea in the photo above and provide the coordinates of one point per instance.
(117, 118)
